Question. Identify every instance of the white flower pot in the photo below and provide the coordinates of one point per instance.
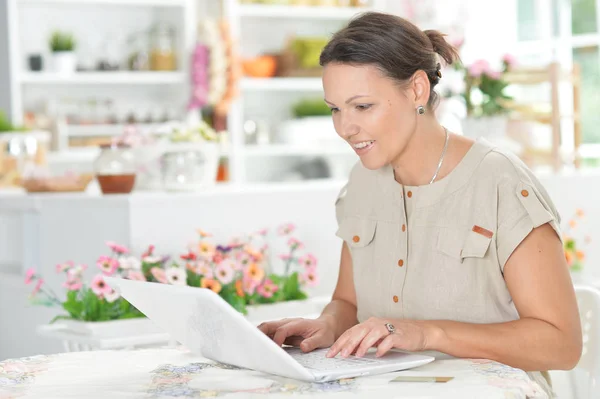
(113, 328)
(307, 308)
(493, 129)
(64, 62)
(308, 131)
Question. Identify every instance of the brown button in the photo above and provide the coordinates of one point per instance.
(409, 194)
(525, 193)
(403, 228)
(400, 263)
(356, 238)
(395, 299)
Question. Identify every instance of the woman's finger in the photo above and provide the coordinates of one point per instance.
(386, 345)
(293, 328)
(294, 340)
(354, 340)
(319, 340)
(340, 342)
(269, 328)
(374, 336)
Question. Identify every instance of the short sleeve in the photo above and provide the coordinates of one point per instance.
(339, 204)
(522, 206)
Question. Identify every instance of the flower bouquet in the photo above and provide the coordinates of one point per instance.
(574, 255)
(241, 272)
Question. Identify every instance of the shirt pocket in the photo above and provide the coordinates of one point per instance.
(459, 246)
(359, 234)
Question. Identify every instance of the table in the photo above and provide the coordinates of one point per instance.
(175, 372)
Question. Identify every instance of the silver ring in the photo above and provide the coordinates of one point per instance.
(390, 327)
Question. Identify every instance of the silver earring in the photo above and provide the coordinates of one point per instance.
(420, 110)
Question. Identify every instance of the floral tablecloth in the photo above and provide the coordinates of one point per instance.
(176, 373)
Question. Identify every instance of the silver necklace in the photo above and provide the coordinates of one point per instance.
(441, 158)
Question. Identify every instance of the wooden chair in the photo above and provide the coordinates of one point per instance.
(548, 112)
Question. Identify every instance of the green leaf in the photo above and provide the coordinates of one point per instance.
(193, 279)
(291, 287)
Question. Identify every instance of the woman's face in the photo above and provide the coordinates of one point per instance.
(372, 113)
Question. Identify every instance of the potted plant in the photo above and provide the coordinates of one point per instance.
(62, 46)
(311, 123)
(241, 271)
(190, 160)
(486, 100)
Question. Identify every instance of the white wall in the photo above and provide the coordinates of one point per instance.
(5, 104)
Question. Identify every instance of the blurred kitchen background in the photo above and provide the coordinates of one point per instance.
(140, 121)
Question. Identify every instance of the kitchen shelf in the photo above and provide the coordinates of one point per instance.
(283, 150)
(281, 84)
(105, 78)
(309, 12)
(102, 130)
(140, 3)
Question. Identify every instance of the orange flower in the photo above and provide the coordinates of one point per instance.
(580, 213)
(569, 257)
(239, 289)
(256, 255)
(206, 249)
(211, 284)
(203, 233)
(580, 255)
(255, 272)
(573, 223)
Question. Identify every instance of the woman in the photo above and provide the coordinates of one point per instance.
(449, 245)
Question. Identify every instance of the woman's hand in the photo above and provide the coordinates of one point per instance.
(308, 334)
(409, 335)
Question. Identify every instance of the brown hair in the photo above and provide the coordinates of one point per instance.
(396, 46)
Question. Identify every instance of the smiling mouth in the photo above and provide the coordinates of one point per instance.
(363, 144)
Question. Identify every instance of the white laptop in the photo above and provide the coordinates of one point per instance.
(206, 324)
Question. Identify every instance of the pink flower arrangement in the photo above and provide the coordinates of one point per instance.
(484, 87)
(240, 271)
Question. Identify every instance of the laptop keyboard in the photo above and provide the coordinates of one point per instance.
(316, 360)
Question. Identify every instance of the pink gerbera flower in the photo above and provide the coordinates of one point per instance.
(73, 285)
(99, 286)
(309, 277)
(108, 265)
(249, 285)
(308, 261)
(267, 289)
(29, 275)
(111, 296)
(136, 275)
(294, 243)
(285, 229)
(119, 249)
(225, 271)
(159, 275)
(61, 267)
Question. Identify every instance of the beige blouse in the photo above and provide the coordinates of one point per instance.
(437, 252)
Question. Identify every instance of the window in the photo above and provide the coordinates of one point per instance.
(567, 30)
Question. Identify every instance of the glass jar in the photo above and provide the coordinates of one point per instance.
(115, 169)
(138, 59)
(183, 170)
(162, 48)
